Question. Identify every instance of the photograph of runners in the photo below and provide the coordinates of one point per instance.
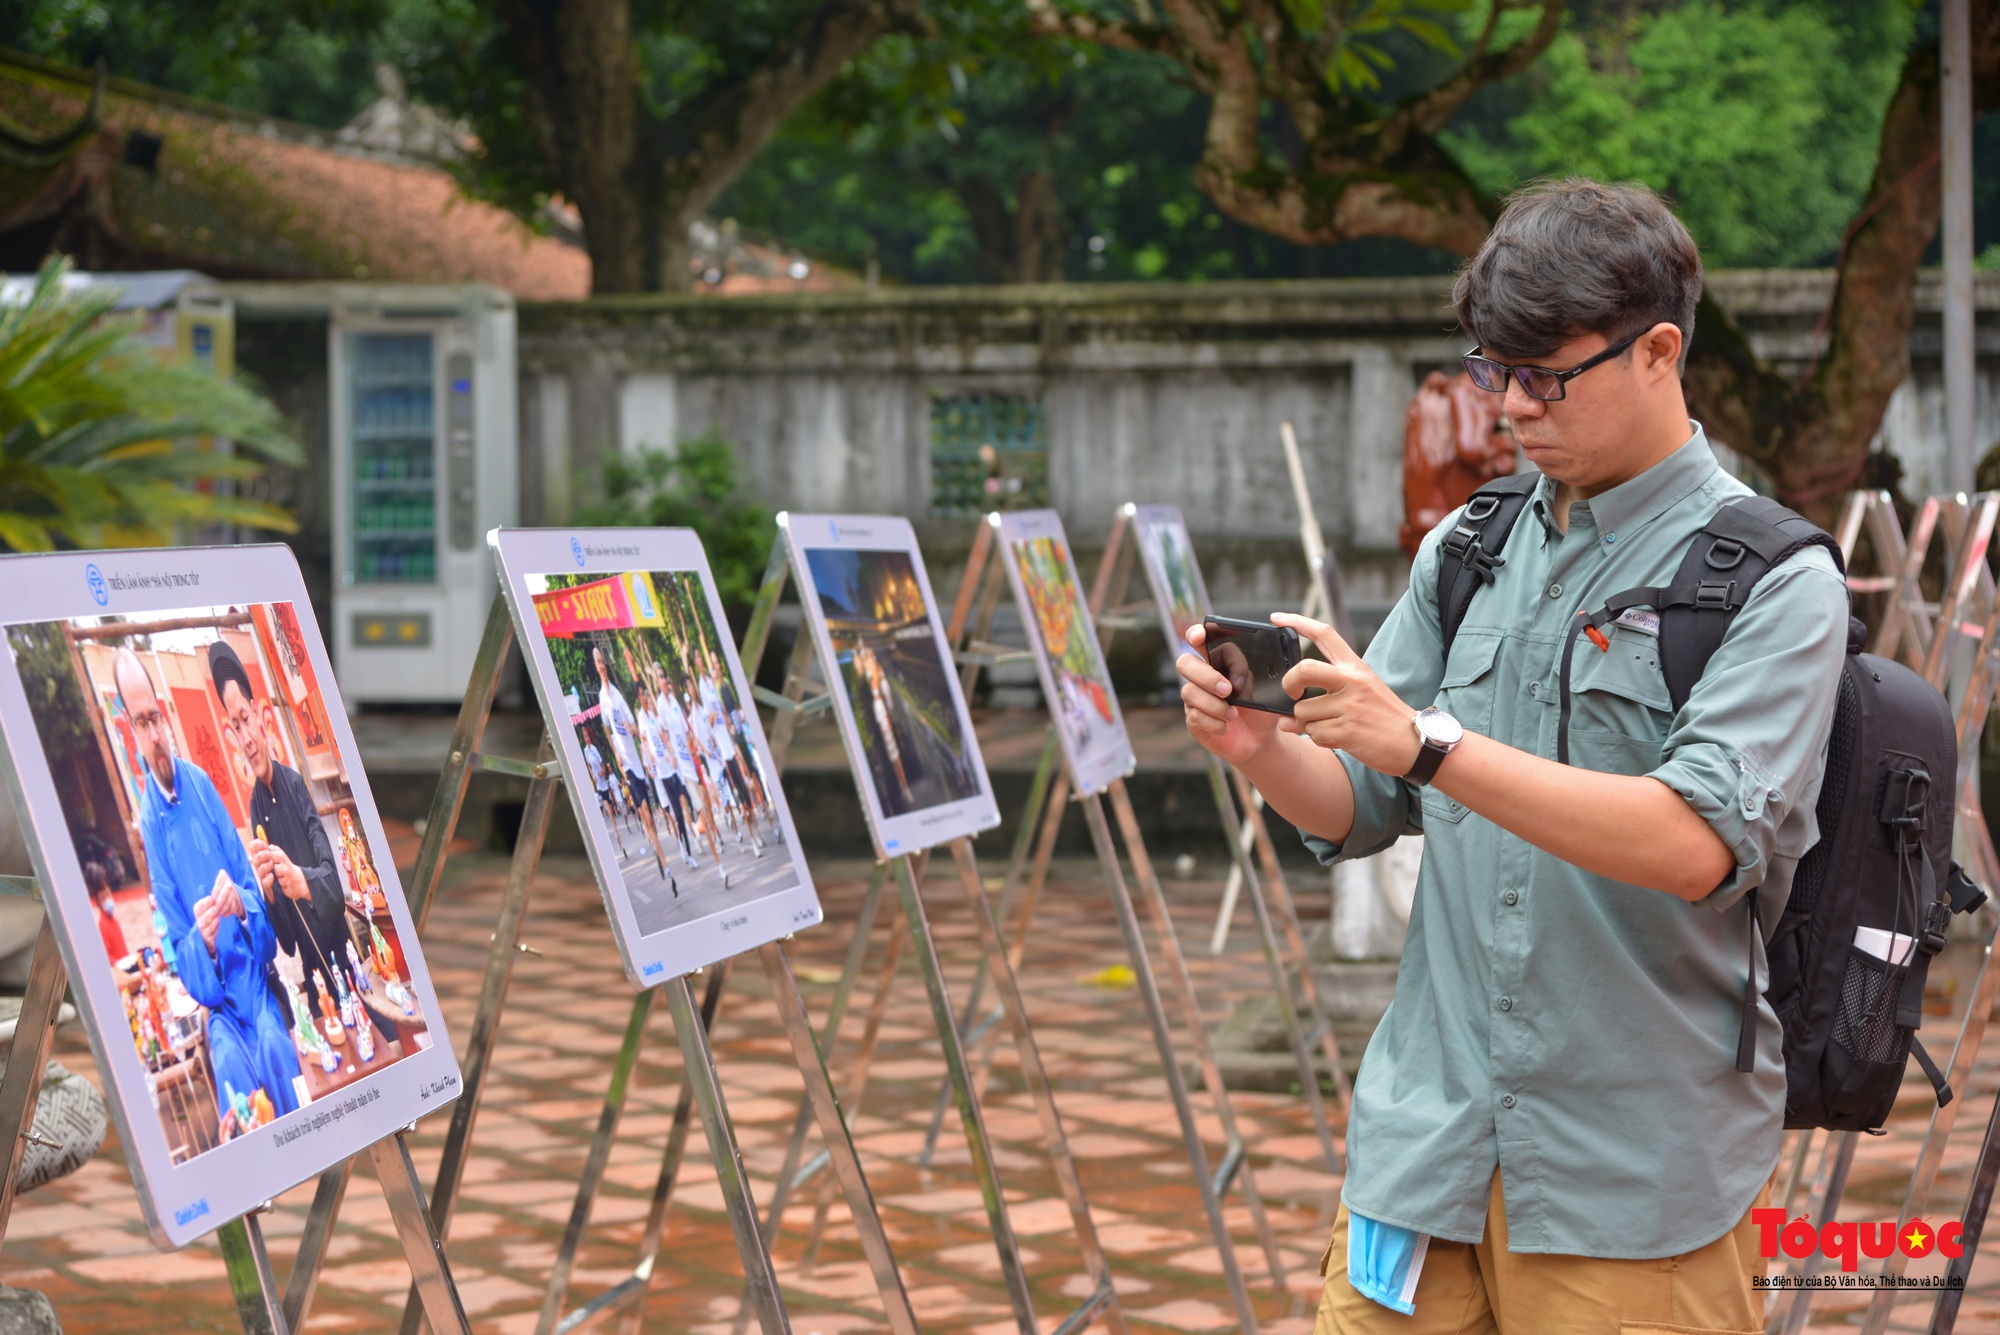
(1075, 681)
(1172, 572)
(673, 777)
(869, 604)
(235, 924)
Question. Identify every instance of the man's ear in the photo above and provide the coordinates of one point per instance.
(1658, 351)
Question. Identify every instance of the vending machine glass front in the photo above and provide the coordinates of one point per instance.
(393, 513)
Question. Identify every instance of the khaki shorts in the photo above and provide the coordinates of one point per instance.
(1484, 1289)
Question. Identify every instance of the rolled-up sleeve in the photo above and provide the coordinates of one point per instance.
(1746, 750)
(1408, 655)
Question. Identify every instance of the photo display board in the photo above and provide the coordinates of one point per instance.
(660, 743)
(1172, 572)
(1067, 655)
(869, 607)
(220, 884)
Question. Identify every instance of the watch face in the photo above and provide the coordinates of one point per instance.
(1434, 725)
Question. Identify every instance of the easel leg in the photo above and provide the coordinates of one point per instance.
(833, 1128)
(1978, 1204)
(500, 956)
(1281, 983)
(1048, 795)
(595, 1162)
(1036, 1076)
(699, 1073)
(1170, 1062)
(1235, 1159)
(635, 1289)
(1288, 918)
(961, 1084)
(1836, 1187)
(34, 1034)
(857, 1080)
(303, 1282)
(420, 891)
(790, 1176)
(423, 1244)
(250, 1279)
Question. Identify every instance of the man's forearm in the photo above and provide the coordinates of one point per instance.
(1305, 784)
(1628, 827)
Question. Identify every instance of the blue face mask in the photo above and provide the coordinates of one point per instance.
(1384, 1261)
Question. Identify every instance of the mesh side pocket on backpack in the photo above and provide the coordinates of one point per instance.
(1863, 1065)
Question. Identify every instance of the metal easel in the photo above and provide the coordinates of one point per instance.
(700, 1086)
(244, 1254)
(1235, 1166)
(1951, 643)
(1108, 592)
(821, 1103)
(1326, 600)
(908, 870)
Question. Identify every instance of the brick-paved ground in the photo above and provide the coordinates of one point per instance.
(81, 1241)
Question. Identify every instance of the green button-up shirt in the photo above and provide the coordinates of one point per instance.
(1577, 1031)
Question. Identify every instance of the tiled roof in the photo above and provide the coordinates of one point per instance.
(246, 197)
(242, 198)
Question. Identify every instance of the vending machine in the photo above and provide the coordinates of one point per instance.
(423, 428)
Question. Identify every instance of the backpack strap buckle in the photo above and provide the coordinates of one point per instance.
(1715, 597)
(1936, 919)
(1466, 547)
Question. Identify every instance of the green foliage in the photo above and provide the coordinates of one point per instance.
(867, 171)
(1759, 118)
(48, 676)
(303, 60)
(696, 485)
(89, 420)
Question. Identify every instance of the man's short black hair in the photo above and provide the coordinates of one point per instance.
(1575, 257)
(224, 667)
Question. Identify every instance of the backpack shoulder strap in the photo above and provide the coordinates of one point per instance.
(1723, 563)
(1471, 551)
(1735, 549)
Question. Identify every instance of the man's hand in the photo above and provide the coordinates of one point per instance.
(1236, 735)
(1357, 714)
(207, 917)
(276, 871)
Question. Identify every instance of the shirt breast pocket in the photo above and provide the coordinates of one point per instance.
(1619, 707)
(1466, 692)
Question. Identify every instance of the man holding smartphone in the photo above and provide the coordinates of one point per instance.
(1549, 1132)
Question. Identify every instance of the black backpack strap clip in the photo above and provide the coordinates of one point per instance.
(1470, 553)
(1963, 892)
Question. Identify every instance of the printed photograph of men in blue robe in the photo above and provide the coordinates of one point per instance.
(223, 937)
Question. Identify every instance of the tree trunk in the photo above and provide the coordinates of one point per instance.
(638, 179)
(1814, 436)
(1017, 244)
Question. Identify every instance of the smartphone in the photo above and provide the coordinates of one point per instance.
(1255, 656)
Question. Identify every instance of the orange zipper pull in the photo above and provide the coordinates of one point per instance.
(1597, 638)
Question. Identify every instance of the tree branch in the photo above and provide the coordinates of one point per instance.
(1045, 20)
(706, 145)
(1430, 111)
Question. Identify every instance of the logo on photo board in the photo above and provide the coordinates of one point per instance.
(576, 550)
(642, 598)
(99, 593)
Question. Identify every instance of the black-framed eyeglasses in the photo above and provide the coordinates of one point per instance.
(1539, 382)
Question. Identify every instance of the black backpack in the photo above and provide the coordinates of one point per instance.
(1886, 807)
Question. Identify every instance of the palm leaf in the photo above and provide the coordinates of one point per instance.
(96, 430)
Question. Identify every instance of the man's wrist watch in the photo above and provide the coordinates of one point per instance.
(1440, 734)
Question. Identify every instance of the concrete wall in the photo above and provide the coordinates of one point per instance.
(1151, 393)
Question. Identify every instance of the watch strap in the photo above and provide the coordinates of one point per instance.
(1429, 757)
